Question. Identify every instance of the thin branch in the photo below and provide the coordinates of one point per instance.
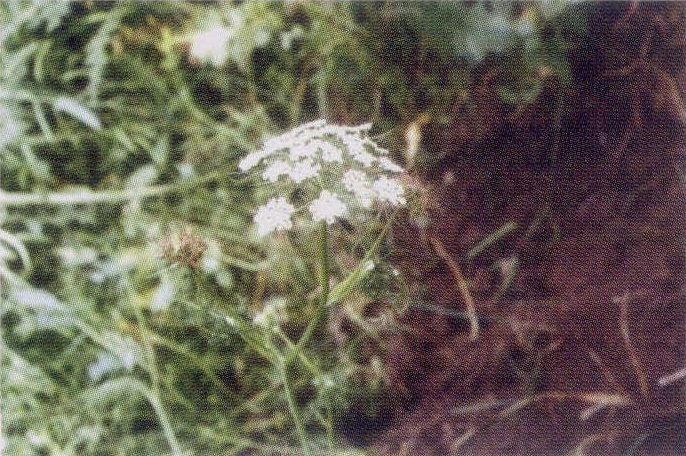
(624, 327)
(462, 285)
(105, 196)
(597, 399)
(671, 378)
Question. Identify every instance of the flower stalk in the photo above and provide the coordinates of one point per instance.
(324, 263)
(324, 273)
(293, 408)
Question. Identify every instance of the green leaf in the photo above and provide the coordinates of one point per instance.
(36, 299)
(113, 390)
(77, 110)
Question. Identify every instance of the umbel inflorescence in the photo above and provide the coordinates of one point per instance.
(338, 168)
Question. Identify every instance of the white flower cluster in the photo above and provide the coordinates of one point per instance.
(327, 207)
(274, 216)
(339, 165)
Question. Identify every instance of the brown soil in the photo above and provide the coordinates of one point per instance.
(569, 360)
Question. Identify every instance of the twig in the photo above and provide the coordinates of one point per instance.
(671, 378)
(626, 16)
(580, 449)
(605, 371)
(462, 285)
(624, 327)
(492, 238)
(464, 438)
(597, 399)
(436, 308)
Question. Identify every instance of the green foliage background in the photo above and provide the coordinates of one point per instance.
(112, 139)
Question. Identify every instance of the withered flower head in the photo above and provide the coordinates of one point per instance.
(183, 247)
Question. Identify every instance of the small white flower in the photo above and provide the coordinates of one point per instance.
(249, 161)
(253, 159)
(323, 381)
(330, 158)
(274, 216)
(185, 169)
(353, 180)
(272, 314)
(312, 126)
(341, 130)
(304, 169)
(327, 207)
(264, 318)
(210, 45)
(302, 134)
(330, 153)
(389, 165)
(357, 150)
(389, 190)
(352, 143)
(301, 150)
(381, 150)
(275, 170)
(356, 182)
(334, 130)
(365, 158)
(210, 263)
(363, 128)
(274, 144)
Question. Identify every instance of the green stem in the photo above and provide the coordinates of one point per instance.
(155, 395)
(324, 263)
(314, 370)
(105, 196)
(149, 349)
(293, 408)
(324, 273)
(156, 404)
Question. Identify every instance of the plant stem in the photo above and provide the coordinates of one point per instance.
(106, 196)
(156, 404)
(293, 408)
(323, 285)
(324, 264)
(461, 284)
(155, 394)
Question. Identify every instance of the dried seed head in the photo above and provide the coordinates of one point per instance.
(183, 247)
